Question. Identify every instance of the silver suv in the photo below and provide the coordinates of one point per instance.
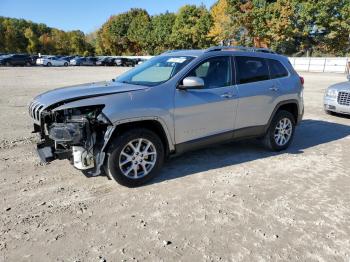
(175, 102)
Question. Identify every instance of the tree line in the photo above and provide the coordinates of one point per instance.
(291, 27)
(22, 36)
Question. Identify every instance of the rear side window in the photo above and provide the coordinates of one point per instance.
(277, 70)
(251, 69)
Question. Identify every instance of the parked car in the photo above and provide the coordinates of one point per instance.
(122, 61)
(83, 61)
(68, 58)
(34, 58)
(337, 98)
(16, 59)
(139, 61)
(51, 61)
(106, 61)
(175, 102)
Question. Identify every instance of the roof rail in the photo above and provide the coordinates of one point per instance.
(239, 48)
(169, 51)
(173, 51)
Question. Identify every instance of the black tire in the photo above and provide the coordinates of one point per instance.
(48, 64)
(28, 64)
(118, 143)
(8, 64)
(65, 64)
(269, 139)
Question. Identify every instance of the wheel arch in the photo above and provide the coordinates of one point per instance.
(153, 124)
(288, 105)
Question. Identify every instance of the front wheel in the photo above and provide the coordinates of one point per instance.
(134, 157)
(281, 131)
(66, 64)
(49, 64)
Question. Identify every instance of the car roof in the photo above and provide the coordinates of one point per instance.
(239, 51)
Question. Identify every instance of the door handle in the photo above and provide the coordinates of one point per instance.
(227, 95)
(274, 88)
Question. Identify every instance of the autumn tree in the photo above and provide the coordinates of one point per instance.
(33, 41)
(221, 30)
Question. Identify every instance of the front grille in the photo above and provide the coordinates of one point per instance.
(344, 98)
(35, 109)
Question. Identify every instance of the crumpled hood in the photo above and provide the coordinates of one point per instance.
(77, 92)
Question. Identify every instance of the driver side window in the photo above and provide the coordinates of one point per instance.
(215, 72)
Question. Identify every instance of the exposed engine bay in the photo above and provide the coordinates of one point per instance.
(77, 134)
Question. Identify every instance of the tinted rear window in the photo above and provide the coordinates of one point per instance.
(251, 69)
(277, 70)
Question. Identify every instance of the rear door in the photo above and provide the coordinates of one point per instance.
(257, 92)
(280, 76)
(200, 113)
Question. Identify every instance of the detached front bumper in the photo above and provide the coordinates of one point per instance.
(44, 152)
(333, 106)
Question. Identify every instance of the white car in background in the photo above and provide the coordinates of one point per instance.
(51, 61)
(337, 98)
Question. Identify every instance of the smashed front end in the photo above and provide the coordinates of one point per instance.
(76, 134)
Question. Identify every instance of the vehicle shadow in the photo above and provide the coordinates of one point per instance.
(309, 133)
(341, 115)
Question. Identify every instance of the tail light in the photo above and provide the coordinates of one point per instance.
(301, 80)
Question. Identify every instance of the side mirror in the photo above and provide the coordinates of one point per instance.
(191, 82)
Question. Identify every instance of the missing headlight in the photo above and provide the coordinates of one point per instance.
(72, 133)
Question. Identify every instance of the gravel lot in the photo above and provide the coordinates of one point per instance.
(235, 202)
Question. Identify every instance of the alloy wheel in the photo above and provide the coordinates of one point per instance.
(283, 131)
(137, 158)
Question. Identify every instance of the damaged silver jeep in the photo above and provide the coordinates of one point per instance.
(175, 102)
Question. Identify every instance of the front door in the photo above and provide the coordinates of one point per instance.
(201, 113)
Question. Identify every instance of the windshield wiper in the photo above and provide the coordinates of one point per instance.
(131, 83)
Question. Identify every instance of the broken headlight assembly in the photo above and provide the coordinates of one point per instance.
(75, 133)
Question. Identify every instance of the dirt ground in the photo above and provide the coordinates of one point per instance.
(235, 202)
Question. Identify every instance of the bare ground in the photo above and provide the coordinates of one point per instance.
(234, 202)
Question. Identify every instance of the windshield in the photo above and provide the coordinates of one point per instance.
(155, 71)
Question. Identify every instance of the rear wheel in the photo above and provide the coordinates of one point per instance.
(281, 131)
(8, 64)
(49, 64)
(135, 157)
(65, 64)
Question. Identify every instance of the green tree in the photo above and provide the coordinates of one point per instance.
(161, 30)
(139, 31)
(324, 25)
(191, 28)
(112, 37)
(77, 42)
